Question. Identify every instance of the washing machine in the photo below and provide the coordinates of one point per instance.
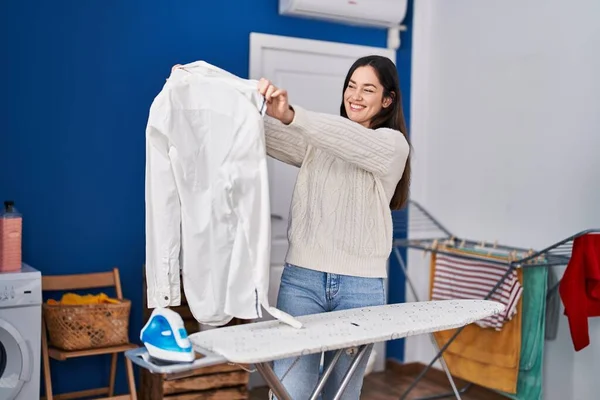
(20, 334)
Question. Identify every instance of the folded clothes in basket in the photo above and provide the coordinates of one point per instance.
(73, 299)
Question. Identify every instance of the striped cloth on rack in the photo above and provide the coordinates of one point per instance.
(459, 278)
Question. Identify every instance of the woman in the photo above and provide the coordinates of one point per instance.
(354, 169)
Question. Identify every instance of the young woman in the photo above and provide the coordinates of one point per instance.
(354, 169)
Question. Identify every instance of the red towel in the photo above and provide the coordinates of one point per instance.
(580, 287)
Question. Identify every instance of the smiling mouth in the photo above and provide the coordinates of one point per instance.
(356, 107)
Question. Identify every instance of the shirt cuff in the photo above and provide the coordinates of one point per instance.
(167, 292)
(164, 298)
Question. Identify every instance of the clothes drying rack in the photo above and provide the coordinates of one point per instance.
(419, 230)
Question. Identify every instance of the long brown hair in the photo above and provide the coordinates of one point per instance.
(390, 117)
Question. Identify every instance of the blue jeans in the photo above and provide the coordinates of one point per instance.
(304, 291)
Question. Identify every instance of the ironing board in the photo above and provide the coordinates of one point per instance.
(260, 343)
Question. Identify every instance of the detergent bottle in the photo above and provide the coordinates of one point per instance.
(11, 228)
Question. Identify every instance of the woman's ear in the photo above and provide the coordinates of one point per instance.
(387, 101)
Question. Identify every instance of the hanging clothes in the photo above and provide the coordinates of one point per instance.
(482, 365)
(207, 197)
(461, 278)
(580, 287)
(530, 381)
(484, 356)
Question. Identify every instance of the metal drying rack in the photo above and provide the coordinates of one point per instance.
(428, 234)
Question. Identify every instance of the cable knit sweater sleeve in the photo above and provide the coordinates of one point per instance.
(374, 150)
(284, 143)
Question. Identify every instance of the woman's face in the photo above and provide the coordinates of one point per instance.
(363, 97)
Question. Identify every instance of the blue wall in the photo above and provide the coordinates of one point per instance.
(78, 80)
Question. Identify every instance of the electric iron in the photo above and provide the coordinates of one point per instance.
(165, 337)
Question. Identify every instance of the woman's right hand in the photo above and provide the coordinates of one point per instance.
(276, 100)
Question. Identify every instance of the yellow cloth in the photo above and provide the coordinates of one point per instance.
(73, 299)
(484, 356)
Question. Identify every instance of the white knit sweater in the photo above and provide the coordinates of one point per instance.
(340, 218)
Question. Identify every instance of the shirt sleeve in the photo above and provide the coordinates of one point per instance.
(374, 150)
(163, 217)
(572, 290)
(284, 143)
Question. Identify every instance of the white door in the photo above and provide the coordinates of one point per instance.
(313, 73)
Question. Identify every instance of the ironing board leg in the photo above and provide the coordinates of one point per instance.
(272, 381)
(326, 374)
(281, 393)
(353, 365)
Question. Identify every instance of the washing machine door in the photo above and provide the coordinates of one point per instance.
(15, 361)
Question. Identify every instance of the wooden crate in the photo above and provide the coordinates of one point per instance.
(219, 382)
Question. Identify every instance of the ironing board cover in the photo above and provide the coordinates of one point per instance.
(271, 340)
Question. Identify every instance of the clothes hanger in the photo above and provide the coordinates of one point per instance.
(262, 107)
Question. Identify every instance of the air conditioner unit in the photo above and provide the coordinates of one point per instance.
(372, 13)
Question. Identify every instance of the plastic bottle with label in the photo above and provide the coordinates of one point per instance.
(11, 230)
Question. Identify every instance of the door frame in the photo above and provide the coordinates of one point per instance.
(260, 42)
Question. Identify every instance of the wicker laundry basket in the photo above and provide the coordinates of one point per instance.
(87, 326)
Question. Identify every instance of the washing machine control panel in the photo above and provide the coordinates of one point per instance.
(20, 292)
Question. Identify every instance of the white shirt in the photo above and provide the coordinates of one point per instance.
(207, 197)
